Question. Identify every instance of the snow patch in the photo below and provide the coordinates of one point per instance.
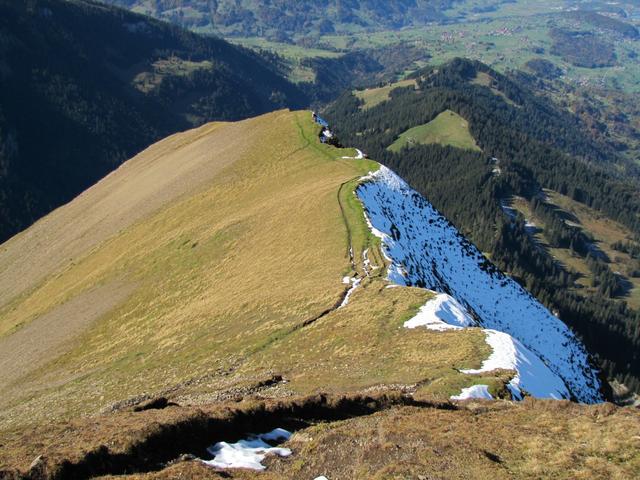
(359, 155)
(248, 453)
(366, 262)
(533, 375)
(441, 313)
(355, 283)
(510, 211)
(476, 391)
(426, 250)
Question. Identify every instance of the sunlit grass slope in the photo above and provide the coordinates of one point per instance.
(199, 266)
(447, 129)
(375, 96)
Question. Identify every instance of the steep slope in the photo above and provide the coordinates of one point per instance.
(85, 86)
(427, 251)
(205, 266)
(532, 150)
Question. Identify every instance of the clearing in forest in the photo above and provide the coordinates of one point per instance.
(447, 129)
(376, 96)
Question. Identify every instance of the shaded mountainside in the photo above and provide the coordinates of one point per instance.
(527, 144)
(85, 86)
(243, 277)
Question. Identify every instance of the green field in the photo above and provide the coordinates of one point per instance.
(447, 129)
(294, 55)
(507, 39)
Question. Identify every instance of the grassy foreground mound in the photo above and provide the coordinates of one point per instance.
(386, 436)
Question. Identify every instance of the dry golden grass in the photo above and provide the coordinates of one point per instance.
(364, 345)
(176, 166)
(531, 439)
(215, 269)
(376, 96)
(229, 238)
(534, 440)
(201, 268)
(27, 349)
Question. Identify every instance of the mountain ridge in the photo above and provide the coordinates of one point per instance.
(81, 260)
(234, 291)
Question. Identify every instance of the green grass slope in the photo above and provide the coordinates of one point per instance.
(447, 129)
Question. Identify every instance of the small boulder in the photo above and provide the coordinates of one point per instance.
(38, 468)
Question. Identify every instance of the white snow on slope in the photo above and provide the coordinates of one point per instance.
(533, 375)
(355, 283)
(476, 391)
(366, 263)
(248, 453)
(427, 251)
(359, 155)
(441, 313)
